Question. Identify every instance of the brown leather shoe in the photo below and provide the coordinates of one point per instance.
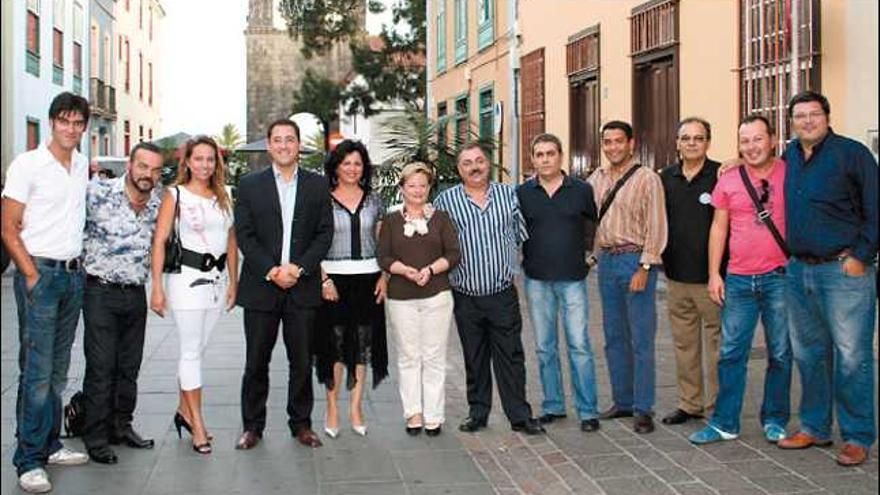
(802, 440)
(248, 440)
(308, 438)
(851, 455)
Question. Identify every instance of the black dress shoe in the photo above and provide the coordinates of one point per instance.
(433, 432)
(615, 412)
(678, 417)
(413, 430)
(590, 425)
(643, 424)
(103, 455)
(530, 426)
(131, 438)
(471, 425)
(551, 417)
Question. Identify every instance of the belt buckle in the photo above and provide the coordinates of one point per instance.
(71, 265)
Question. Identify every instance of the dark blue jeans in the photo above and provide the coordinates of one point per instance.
(748, 297)
(47, 319)
(630, 324)
(832, 317)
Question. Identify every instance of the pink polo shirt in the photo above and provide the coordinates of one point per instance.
(753, 250)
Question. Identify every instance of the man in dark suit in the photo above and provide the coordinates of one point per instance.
(284, 225)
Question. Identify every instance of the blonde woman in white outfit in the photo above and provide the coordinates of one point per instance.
(208, 278)
(418, 245)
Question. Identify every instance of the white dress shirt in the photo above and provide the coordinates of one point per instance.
(54, 199)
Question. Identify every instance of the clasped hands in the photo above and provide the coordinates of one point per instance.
(285, 276)
(417, 276)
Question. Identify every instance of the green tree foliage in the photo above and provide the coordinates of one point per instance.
(392, 70)
(229, 137)
(319, 96)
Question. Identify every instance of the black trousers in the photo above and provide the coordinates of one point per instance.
(115, 318)
(261, 333)
(490, 329)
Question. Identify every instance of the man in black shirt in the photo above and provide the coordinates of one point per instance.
(695, 319)
(560, 215)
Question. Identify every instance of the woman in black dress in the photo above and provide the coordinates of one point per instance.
(351, 324)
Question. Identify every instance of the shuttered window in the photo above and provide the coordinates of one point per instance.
(582, 68)
(532, 123)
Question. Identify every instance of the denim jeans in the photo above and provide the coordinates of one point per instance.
(748, 297)
(47, 319)
(832, 321)
(546, 300)
(630, 325)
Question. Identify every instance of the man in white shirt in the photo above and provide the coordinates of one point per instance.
(42, 228)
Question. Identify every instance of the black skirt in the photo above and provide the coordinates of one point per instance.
(351, 330)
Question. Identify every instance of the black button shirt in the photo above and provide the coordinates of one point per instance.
(689, 213)
(558, 229)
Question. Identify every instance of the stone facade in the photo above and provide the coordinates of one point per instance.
(275, 67)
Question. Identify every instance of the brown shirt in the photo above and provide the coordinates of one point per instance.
(418, 252)
(637, 214)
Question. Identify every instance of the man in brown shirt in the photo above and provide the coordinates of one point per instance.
(629, 241)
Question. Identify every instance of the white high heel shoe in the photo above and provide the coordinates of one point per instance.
(360, 429)
(330, 432)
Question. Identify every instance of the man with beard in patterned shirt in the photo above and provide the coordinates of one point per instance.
(120, 219)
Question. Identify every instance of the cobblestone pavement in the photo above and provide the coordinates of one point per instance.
(613, 461)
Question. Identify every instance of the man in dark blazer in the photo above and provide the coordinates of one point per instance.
(284, 226)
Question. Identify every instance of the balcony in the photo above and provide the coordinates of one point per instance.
(103, 99)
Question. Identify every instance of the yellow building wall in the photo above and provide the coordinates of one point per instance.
(849, 65)
(481, 69)
(708, 81)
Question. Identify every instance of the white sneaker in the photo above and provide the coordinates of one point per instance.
(68, 457)
(35, 481)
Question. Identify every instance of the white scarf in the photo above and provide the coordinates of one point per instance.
(417, 225)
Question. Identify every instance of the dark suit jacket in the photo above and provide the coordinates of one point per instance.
(259, 233)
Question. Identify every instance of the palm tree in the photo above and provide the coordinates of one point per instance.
(229, 137)
(414, 137)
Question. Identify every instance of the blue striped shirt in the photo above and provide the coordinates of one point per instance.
(488, 238)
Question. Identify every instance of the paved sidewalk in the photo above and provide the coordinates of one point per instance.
(387, 461)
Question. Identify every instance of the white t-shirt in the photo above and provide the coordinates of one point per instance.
(55, 202)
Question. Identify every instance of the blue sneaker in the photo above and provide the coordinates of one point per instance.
(710, 434)
(773, 433)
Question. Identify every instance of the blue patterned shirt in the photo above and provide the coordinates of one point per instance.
(489, 238)
(118, 239)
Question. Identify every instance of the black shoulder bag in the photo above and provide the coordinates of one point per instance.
(763, 214)
(606, 205)
(74, 418)
(173, 248)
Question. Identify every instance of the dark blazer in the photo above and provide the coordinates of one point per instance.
(259, 233)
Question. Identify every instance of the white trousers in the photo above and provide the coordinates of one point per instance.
(194, 327)
(420, 329)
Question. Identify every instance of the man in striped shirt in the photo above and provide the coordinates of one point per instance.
(629, 241)
(490, 226)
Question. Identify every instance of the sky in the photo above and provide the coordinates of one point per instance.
(203, 77)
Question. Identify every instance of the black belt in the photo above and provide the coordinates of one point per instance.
(819, 260)
(115, 285)
(71, 265)
(202, 261)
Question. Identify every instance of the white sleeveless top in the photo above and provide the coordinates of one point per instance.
(204, 228)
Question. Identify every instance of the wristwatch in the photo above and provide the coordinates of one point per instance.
(646, 267)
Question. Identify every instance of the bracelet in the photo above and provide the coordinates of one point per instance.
(327, 282)
(431, 270)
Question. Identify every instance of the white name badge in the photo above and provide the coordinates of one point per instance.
(705, 198)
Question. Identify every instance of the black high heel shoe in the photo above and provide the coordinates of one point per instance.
(180, 422)
(204, 448)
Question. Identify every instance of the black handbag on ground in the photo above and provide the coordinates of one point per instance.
(173, 248)
(74, 418)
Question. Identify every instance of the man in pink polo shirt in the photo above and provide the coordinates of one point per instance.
(754, 286)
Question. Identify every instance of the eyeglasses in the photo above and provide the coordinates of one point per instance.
(803, 117)
(692, 139)
(77, 125)
(765, 192)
